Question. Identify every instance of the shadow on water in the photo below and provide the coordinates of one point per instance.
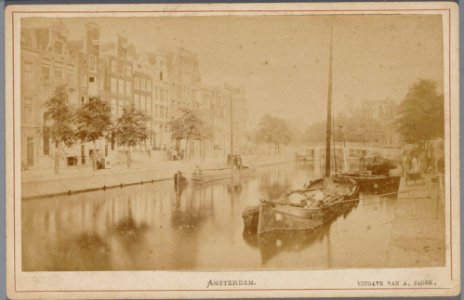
(271, 244)
(199, 227)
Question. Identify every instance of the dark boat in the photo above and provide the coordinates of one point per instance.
(375, 184)
(312, 207)
(273, 243)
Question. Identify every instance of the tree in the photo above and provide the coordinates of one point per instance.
(61, 113)
(131, 129)
(421, 115)
(357, 128)
(272, 130)
(93, 122)
(189, 126)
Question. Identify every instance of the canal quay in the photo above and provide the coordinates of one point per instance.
(154, 227)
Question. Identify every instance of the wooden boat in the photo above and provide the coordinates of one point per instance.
(210, 174)
(272, 243)
(376, 184)
(311, 212)
(319, 201)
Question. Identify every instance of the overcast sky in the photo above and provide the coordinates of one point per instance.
(282, 61)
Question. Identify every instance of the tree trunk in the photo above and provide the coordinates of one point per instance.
(128, 158)
(94, 156)
(57, 158)
(202, 150)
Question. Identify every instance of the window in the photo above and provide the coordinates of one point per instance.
(28, 80)
(70, 74)
(136, 100)
(136, 83)
(113, 105)
(114, 85)
(45, 72)
(121, 87)
(179, 92)
(120, 107)
(143, 103)
(93, 63)
(58, 47)
(149, 85)
(28, 109)
(161, 76)
(142, 84)
(155, 93)
(128, 88)
(58, 74)
(113, 66)
(120, 67)
(91, 79)
(161, 95)
(128, 70)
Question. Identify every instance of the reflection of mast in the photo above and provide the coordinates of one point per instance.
(329, 111)
(329, 251)
(231, 128)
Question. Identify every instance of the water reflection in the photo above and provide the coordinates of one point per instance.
(157, 227)
(273, 243)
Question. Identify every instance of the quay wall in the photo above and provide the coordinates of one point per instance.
(102, 179)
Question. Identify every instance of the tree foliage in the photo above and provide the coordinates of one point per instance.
(357, 128)
(131, 127)
(421, 113)
(61, 115)
(189, 126)
(93, 120)
(272, 130)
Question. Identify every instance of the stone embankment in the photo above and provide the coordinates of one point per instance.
(41, 183)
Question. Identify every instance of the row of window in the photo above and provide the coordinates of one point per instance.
(121, 86)
(121, 67)
(143, 84)
(140, 103)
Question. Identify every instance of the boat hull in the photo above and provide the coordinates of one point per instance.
(375, 184)
(218, 174)
(275, 216)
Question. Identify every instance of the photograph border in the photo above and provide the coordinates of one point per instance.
(14, 13)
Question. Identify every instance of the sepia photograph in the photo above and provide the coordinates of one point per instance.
(195, 145)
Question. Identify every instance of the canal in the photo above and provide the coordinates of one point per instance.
(153, 227)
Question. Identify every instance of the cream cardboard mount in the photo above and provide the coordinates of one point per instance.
(71, 235)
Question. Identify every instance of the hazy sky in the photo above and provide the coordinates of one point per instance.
(282, 61)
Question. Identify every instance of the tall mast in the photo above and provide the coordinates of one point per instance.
(329, 110)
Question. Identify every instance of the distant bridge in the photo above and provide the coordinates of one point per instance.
(316, 152)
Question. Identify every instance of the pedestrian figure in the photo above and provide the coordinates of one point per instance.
(405, 164)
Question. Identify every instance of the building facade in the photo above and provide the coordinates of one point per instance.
(160, 83)
(46, 63)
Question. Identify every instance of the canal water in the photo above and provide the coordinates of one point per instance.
(153, 227)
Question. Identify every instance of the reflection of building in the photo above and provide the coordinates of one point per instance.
(46, 62)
